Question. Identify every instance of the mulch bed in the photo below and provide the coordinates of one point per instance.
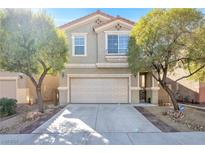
(155, 121)
(29, 129)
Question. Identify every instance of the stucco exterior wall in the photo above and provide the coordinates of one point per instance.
(63, 93)
(49, 89)
(22, 90)
(185, 88)
(91, 57)
(202, 93)
(63, 80)
(21, 78)
(135, 96)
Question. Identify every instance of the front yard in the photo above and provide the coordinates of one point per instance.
(193, 119)
(26, 119)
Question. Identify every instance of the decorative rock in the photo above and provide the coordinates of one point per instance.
(33, 115)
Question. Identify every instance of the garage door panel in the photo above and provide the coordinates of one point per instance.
(8, 88)
(99, 90)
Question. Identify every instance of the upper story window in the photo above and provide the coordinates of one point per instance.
(117, 43)
(79, 42)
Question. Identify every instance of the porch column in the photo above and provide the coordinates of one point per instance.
(138, 79)
(154, 91)
(63, 92)
(135, 89)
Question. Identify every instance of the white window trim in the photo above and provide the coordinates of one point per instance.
(73, 44)
(106, 43)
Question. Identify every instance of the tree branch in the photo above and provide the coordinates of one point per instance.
(45, 71)
(32, 78)
(43, 76)
(42, 63)
(186, 76)
(154, 76)
(158, 72)
(180, 59)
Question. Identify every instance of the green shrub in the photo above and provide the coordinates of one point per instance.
(7, 106)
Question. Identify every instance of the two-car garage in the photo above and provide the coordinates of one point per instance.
(99, 89)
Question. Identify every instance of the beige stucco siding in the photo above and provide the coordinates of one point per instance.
(117, 71)
(63, 81)
(91, 57)
(95, 42)
(8, 88)
(22, 81)
(135, 96)
(14, 85)
(134, 80)
(49, 88)
(63, 93)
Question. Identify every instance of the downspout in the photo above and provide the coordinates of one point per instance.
(96, 46)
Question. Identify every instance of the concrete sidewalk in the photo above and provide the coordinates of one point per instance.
(76, 138)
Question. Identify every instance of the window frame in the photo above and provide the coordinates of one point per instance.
(74, 35)
(115, 33)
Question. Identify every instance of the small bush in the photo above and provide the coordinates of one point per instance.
(7, 106)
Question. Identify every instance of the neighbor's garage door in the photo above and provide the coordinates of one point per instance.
(99, 90)
(8, 88)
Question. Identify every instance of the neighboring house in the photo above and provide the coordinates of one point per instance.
(19, 87)
(14, 85)
(186, 90)
(98, 70)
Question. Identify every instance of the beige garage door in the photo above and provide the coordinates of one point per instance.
(8, 88)
(99, 90)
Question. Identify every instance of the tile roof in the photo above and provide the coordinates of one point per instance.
(85, 17)
(116, 18)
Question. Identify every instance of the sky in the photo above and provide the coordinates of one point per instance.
(65, 15)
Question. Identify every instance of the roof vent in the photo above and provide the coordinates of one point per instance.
(98, 21)
(118, 26)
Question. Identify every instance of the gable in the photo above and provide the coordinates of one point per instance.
(116, 24)
(102, 17)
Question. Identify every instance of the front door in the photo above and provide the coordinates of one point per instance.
(142, 96)
(142, 92)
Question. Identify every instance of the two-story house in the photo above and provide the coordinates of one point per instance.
(98, 70)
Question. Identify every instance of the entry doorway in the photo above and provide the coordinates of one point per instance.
(142, 92)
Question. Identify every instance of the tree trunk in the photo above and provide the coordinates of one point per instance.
(38, 85)
(172, 96)
(39, 99)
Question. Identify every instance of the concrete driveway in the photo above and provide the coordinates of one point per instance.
(95, 124)
(101, 124)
